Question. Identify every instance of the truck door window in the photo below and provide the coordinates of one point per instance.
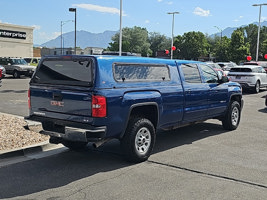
(191, 73)
(209, 75)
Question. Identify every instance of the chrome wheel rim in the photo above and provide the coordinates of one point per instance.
(142, 140)
(235, 116)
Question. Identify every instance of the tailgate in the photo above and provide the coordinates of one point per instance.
(50, 101)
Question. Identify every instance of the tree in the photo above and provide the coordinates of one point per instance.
(250, 35)
(158, 42)
(134, 40)
(222, 49)
(238, 48)
(192, 45)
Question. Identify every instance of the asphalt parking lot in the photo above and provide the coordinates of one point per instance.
(202, 161)
(14, 95)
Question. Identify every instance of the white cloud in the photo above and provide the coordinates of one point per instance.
(98, 8)
(237, 20)
(159, 0)
(201, 12)
(147, 21)
(43, 36)
(36, 27)
(170, 3)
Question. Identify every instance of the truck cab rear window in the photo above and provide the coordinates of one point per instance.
(140, 72)
(70, 72)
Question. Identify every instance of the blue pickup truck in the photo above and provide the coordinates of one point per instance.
(81, 99)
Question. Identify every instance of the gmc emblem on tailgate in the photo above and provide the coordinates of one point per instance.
(57, 103)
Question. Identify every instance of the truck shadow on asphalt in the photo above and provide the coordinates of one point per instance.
(59, 170)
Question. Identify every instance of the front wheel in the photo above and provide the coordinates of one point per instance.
(138, 140)
(232, 117)
(16, 74)
(257, 87)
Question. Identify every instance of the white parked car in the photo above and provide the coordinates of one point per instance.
(249, 76)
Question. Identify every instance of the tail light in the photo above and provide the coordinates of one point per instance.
(1, 73)
(99, 106)
(29, 99)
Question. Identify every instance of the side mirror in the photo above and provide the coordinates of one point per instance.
(223, 79)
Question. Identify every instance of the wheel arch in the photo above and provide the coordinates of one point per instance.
(236, 97)
(148, 110)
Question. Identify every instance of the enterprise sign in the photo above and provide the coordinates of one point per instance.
(13, 34)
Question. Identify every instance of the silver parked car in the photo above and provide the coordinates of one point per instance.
(249, 76)
(17, 67)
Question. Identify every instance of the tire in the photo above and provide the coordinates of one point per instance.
(16, 74)
(73, 145)
(257, 87)
(138, 140)
(232, 117)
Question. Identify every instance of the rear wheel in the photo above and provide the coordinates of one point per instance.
(257, 87)
(139, 139)
(232, 117)
(73, 145)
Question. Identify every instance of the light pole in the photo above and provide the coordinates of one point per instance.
(74, 10)
(120, 42)
(220, 31)
(259, 28)
(62, 24)
(172, 13)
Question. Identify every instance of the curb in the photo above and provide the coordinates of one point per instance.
(31, 149)
(36, 148)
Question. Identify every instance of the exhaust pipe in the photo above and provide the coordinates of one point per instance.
(101, 142)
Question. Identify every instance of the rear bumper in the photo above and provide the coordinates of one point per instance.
(68, 130)
(247, 85)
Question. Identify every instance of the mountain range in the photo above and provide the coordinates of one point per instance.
(84, 39)
(102, 40)
(228, 31)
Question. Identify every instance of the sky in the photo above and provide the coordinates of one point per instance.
(97, 16)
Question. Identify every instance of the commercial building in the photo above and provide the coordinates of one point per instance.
(70, 51)
(16, 40)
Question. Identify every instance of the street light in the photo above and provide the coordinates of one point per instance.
(63, 23)
(120, 42)
(172, 13)
(220, 31)
(259, 28)
(74, 10)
